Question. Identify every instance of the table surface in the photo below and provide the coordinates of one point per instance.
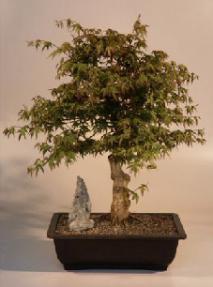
(28, 258)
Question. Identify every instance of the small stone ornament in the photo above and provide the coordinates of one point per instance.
(79, 217)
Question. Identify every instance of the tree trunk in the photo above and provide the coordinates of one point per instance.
(120, 202)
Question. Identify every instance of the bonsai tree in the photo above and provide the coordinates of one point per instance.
(115, 98)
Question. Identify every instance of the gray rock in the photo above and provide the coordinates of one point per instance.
(79, 217)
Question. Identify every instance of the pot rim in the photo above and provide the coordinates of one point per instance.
(51, 233)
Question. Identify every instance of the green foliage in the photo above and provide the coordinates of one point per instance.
(115, 98)
(134, 193)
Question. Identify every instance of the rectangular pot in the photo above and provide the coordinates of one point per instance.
(143, 252)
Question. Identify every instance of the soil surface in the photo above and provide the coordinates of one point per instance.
(136, 224)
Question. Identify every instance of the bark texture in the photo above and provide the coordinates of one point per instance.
(120, 202)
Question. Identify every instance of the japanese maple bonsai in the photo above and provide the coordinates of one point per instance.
(117, 98)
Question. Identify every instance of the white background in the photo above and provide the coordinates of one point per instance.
(181, 184)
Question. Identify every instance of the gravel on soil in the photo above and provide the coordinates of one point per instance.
(136, 224)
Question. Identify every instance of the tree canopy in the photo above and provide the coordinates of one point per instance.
(114, 97)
